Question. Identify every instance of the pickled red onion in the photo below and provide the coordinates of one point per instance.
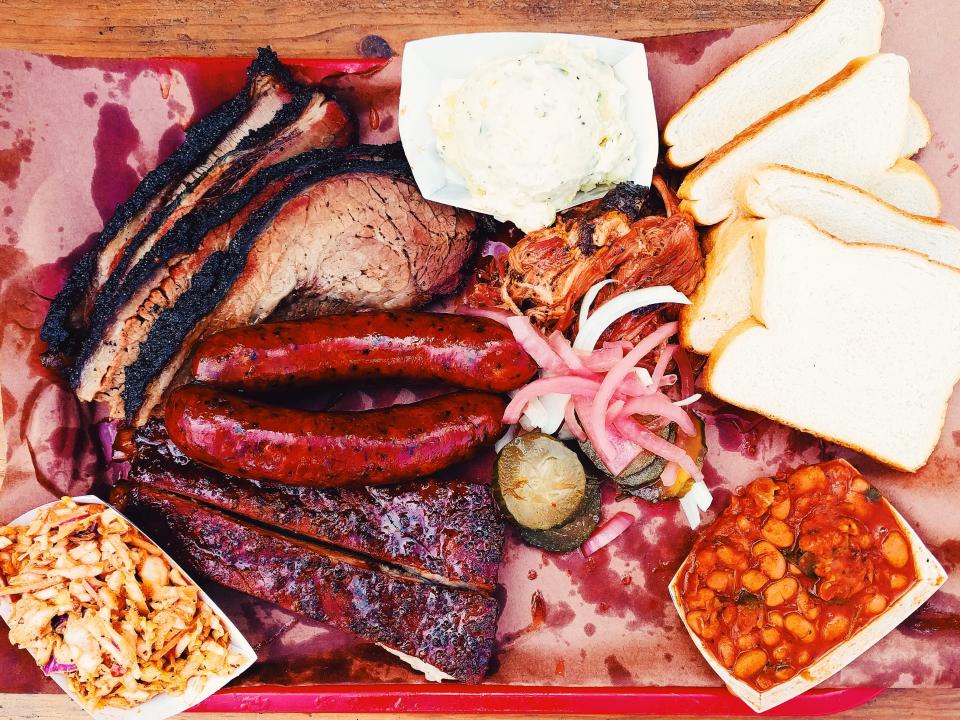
(500, 316)
(600, 361)
(669, 475)
(596, 392)
(659, 404)
(561, 346)
(569, 384)
(534, 343)
(607, 533)
(613, 379)
(661, 367)
(570, 420)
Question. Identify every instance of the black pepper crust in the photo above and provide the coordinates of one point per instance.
(59, 329)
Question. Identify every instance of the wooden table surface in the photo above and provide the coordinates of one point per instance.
(137, 28)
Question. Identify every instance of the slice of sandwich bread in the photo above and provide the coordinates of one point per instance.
(846, 212)
(721, 300)
(851, 128)
(857, 344)
(790, 65)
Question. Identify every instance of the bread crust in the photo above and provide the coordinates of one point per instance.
(907, 166)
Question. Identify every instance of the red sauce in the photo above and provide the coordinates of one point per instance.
(793, 567)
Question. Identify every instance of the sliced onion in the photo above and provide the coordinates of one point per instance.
(613, 379)
(615, 308)
(494, 249)
(607, 533)
(645, 377)
(688, 400)
(571, 423)
(533, 341)
(553, 404)
(689, 506)
(615, 408)
(568, 384)
(500, 316)
(534, 415)
(600, 361)
(561, 346)
(588, 297)
(703, 495)
(669, 475)
(544, 413)
(624, 451)
(661, 367)
(506, 439)
(697, 500)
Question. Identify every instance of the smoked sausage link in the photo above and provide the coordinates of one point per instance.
(469, 352)
(255, 440)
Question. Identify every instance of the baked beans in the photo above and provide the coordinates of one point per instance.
(794, 566)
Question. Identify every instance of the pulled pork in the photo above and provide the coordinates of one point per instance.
(634, 236)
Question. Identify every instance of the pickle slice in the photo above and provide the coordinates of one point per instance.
(573, 533)
(540, 482)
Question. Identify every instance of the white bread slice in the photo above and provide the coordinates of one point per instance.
(792, 64)
(722, 299)
(846, 212)
(858, 344)
(918, 132)
(851, 128)
(907, 186)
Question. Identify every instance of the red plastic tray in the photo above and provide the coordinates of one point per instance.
(504, 699)
(220, 77)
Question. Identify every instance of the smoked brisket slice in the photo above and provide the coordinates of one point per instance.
(268, 89)
(141, 284)
(450, 629)
(448, 531)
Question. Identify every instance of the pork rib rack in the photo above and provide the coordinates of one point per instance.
(450, 629)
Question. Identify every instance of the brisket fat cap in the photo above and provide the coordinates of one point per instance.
(451, 630)
(269, 88)
(349, 236)
(167, 250)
